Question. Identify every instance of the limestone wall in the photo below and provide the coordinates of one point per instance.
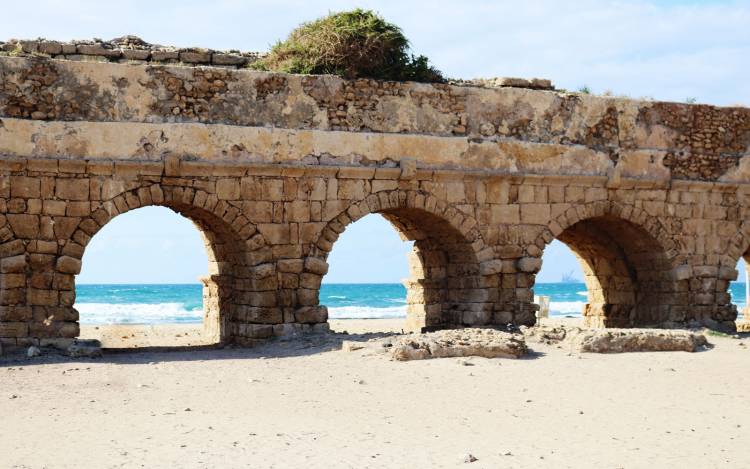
(272, 168)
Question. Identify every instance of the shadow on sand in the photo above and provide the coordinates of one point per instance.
(285, 347)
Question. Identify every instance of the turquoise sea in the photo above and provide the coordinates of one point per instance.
(135, 304)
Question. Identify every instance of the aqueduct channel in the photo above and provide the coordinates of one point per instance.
(653, 197)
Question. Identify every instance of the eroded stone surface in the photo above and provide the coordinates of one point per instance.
(638, 340)
(470, 342)
(615, 340)
(85, 348)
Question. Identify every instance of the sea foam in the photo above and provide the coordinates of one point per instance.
(366, 312)
(137, 313)
(164, 313)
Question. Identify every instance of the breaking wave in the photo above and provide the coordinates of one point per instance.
(137, 313)
(366, 312)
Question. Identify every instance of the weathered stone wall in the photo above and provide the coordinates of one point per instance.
(127, 49)
(273, 167)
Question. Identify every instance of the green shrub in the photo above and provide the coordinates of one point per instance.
(351, 44)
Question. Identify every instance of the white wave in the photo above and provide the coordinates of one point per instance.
(396, 300)
(136, 313)
(566, 308)
(366, 312)
(582, 293)
(337, 297)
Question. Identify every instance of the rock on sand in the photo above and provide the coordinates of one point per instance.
(488, 343)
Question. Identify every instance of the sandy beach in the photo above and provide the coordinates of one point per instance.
(305, 403)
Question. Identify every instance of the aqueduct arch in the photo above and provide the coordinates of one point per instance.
(628, 266)
(445, 288)
(226, 244)
(654, 196)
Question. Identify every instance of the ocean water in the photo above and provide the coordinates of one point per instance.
(137, 304)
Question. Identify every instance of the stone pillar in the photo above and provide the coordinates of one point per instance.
(216, 290)
(746, 310)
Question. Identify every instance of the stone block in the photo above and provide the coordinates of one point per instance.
(705, 271)
(195, 57)
(487, 343)
(164, 55)
(306, 297)
(72, 166)
(505, 214)
(97, 50)
(25, 187)
(297, 211)
(69, 265)
(529, 264)
(72, 189)
(275, 233)
(260, 315)
(728, 273)
(290, 265)
(37, 297)
(491, 267)
(24, 226)
(311, 314)
(13, 264)
(535, 214)
(316, 266)
(228, 189)
(352, 189)
(682, 272)
(14, 329)
(15, 313)
(228, 59)
(136, 54)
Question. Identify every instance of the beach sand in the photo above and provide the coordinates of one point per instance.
(305, 403)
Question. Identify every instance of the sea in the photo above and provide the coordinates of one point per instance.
(183, 303)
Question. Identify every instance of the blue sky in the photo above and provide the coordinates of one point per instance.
(668, 50)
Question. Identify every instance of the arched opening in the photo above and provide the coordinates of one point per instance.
(169, 269)
(444, 287)
(739, 293)
(364, 288)
(561, 282)
(627, 273)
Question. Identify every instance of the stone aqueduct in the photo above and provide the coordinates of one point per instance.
(653, 197)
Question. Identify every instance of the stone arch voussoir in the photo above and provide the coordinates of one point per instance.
(626, 212)
(392, 200)
(186, 201)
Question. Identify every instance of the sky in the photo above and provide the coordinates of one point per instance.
(667, 50)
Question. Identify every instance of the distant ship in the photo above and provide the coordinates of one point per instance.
(569, 278)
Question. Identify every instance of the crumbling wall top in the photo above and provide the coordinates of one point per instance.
(127, 49)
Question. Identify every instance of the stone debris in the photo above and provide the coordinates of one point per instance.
(546, 334)
(127, 49)
(377, 345)
(85, 348)
(617, 340)
(33, 351)
(743, 326)
(487, 343)
(508, 82)
(637, 340)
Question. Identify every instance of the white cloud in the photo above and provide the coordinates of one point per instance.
(665, 49)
